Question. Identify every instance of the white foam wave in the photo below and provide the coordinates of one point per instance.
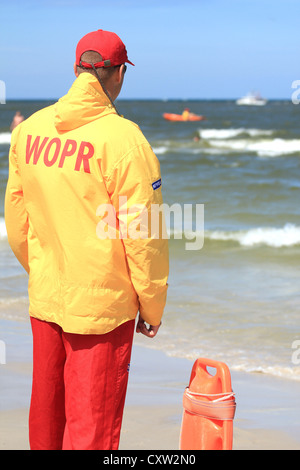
(160, 150)
(225, 140)
(264, 148)
(3, 233)
(5, 138)
(287, 236)
(230, 133)
(252, 364)
(279, 371)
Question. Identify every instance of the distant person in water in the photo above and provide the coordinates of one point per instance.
(18, 118)
(186, 114)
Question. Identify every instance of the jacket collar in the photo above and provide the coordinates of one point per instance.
(85, 102)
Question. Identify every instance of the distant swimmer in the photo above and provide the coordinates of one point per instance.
(18, 118)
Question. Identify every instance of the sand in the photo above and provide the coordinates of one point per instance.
(267, 415)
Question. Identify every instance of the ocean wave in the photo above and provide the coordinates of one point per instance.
(290, 373)
(264, 143)
(249, 366)
(263, 148)
(160, 150)
(287, 236)
(3, 233)
(5, 138)
(230, 133)
(258, 141)
(251, 363)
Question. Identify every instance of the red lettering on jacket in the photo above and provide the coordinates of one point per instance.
(84, 157)
(50, 161)
(67, 152)
(54, 151)
(36, 148)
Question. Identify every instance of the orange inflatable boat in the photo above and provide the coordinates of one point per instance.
(180, 117)
(208, 408)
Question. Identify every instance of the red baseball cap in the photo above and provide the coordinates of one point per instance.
(107, 44)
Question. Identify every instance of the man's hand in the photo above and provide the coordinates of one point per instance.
(141, 327)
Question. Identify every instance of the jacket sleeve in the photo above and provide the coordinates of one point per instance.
(133, 195)
(16, 219)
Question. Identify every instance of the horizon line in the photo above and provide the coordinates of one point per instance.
(150, 99)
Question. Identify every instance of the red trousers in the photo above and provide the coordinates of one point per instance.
(79, 386)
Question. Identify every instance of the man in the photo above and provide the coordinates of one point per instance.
(86, 282)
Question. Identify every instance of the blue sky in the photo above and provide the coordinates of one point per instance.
(181, 49)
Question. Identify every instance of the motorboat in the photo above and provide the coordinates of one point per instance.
(252, 99)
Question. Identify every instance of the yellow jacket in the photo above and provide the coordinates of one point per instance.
(66, 163)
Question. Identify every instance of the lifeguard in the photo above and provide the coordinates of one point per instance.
(84, 292)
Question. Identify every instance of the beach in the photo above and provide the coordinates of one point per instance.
(267, 415)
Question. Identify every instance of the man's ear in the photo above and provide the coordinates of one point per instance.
(121, 73)
(75, 69)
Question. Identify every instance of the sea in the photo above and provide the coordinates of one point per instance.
(234, 296)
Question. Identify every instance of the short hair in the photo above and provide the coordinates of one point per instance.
(94, 57)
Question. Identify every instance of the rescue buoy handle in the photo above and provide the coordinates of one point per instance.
(222, 396)
(222, 409)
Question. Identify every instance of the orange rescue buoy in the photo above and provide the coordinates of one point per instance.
(208, 408)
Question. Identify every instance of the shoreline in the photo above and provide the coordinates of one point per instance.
(267, 415)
